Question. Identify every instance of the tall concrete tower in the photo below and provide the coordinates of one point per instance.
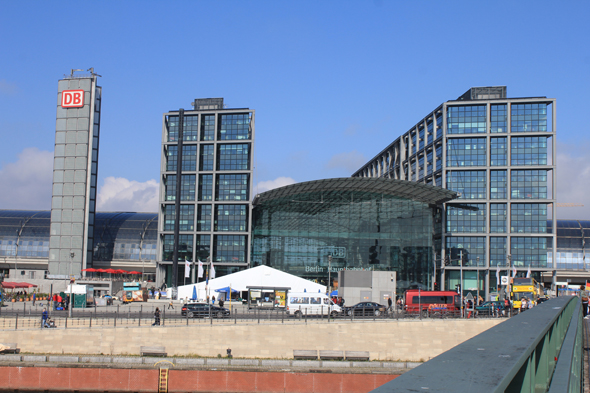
(75, 169)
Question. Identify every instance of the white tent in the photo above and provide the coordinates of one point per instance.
(259, 276)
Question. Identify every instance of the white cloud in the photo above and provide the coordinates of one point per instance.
(271, 184)
(350, 161)
(573, 180)
(26, 183)
(120, 194)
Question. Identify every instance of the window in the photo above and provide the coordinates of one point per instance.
(208, 127)
(498, 152)
(471, 184)
(471, 249)
(498, 184)
(206, 159)
(231, 218)
(170, 187)
(466, 218)
(498, 251)
(528, 117)
(499, 120)
(466, 119)
(185, 247)
(497, 218)
(187, 217)
(204, 218)
(466, 152)
(205, 187)
(529, 150)
(528, 184)
(190, 128)
(230, 248)
(529, 251)
(233, 157)
(232, 187)
(234, 127)
(203, 247)
(528, 218)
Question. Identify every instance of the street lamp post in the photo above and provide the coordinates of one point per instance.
(72, 254)
(329, 274)
(508, 260)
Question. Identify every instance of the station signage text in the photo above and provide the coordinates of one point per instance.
(72, 98)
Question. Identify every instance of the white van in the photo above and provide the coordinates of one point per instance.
(314, 303)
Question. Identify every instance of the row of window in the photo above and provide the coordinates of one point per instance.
(230, 187)
(524, 184)
(471, 218)
(229, 127)
(472, 119)
(524, 251)
(229, 157)
(226, 248)
(228, 218)
(472, 151)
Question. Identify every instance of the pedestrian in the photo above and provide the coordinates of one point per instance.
(44, 318)
(584, 297)
(389, 303)
(530, 304)
(156, 317)
(523, 304)
(34, 297)
(220, 302)
(213, 300)
(170, 305)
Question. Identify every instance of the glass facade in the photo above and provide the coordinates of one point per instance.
(528, 117)
(498, 152)
(470, 184)
(233, 187)
(528, 184)
(466, 218)
(234, 127)
(362, 230)
(529, 251)
(466, 119)
(498, 185)
(466, 152)
(499, 120)
(529, 150)
(470, 249)
(216, 186)
(233, 157)
(528, 218)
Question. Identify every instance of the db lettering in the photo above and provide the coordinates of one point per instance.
(72, 98)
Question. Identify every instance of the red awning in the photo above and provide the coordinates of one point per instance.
(9, 285)
(134, 272)
(90, 270)
(25, 285)
(111, 271)
(121, 271)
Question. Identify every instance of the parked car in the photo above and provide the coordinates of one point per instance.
(202, 310)
(365, 309)
(489, 307)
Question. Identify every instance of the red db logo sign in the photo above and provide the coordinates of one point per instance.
(72, 98)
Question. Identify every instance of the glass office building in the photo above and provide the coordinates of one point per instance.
(205, 188)
(498, 153)
(349, 224)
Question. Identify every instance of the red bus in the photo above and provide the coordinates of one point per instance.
(433, 301)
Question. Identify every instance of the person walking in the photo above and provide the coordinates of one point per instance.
(34, 297)
(389, 304)
(221, 302)
(156, 317)
(171, 305)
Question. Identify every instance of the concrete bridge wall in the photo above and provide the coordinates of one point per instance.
(406, 340)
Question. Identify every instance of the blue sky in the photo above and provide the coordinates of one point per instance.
(332, 82)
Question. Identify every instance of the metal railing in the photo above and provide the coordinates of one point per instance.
(539, 350)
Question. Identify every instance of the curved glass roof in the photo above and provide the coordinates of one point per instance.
(362, 188)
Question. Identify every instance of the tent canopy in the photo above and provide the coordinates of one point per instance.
(259, 276)
(226, 290)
